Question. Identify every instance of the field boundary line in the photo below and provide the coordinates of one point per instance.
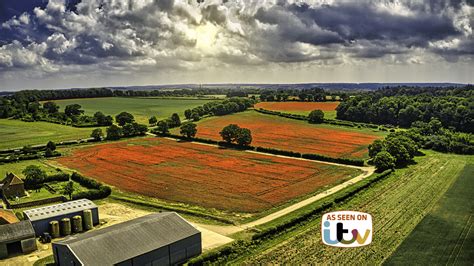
(363, 168)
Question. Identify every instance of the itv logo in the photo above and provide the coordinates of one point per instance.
(346, 229)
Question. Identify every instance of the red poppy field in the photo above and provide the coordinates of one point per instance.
(203, 175)
(288, 134)
(298, 106)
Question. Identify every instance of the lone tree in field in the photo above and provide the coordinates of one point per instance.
(244, 137)
(114, 132)
(384, 161)
(34, 177)
(124, 118)
(97, 134)
(162, 127)
(316, 116)
(229, 133)
(188, 130)
(69, 189)
(152, 121)
(51, 145)
(175, 120)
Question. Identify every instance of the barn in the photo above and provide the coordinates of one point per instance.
(155, 239)
(16, 238)
(12, 186)
(40, 217)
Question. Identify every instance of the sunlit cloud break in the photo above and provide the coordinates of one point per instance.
(98, 42)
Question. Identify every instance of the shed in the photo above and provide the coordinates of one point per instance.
(12, 186)
(40, 217)
(16, 238)
(155, 239)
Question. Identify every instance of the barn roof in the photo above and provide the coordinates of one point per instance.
(127, 240)
(59, 209)
(16, 231)
(11, 179)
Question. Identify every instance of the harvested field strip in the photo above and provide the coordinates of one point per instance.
(397, 204)
(203, 175)
(287, 134)
(445, 235)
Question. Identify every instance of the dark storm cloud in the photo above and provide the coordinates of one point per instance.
(57, 35)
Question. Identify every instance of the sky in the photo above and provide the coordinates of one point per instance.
(93, 43)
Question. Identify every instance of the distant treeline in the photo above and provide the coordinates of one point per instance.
(311, 95)
(453, 107)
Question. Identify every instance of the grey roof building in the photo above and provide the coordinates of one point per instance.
(16, 238)
(155, 239)
(40, 217)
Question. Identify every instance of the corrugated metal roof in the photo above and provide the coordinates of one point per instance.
(16, 231)
(59, 209)
(127, 240)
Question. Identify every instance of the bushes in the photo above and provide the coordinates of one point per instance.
(356, 162)
(340, 196)
(97, 190)
(279, 152)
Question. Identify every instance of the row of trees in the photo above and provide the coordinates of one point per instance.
(310, 95)
(453, 107)
(232, 105)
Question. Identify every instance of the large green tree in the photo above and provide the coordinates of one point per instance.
(316, 116)
(229, 133)
(124, 118)
(188, 130)
(34, 177)
(244, 137)
(114, 132)
(384, 161)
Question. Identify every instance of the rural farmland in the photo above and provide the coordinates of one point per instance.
(399, 203)
(141, 107)
(16, 134)
(215, 178)
(301, 108)
(288, 134)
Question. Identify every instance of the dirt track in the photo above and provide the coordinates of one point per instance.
(231, 229)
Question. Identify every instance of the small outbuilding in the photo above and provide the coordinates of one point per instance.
(16, 238)
(155, 239)
(12, 186)
(40, 217)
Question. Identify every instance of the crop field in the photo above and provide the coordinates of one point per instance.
(15, 133)
(397, 204)
(203, 175)
(301, 108)
(288, 134)
(18, 167)
(141, 108)
(446, 235)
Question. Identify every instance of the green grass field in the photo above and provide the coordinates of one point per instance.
(446, 235)
(397, 204)
(15, 133)
(141, 108)
(18, 167)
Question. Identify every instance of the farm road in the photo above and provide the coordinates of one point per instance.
(231, 229)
